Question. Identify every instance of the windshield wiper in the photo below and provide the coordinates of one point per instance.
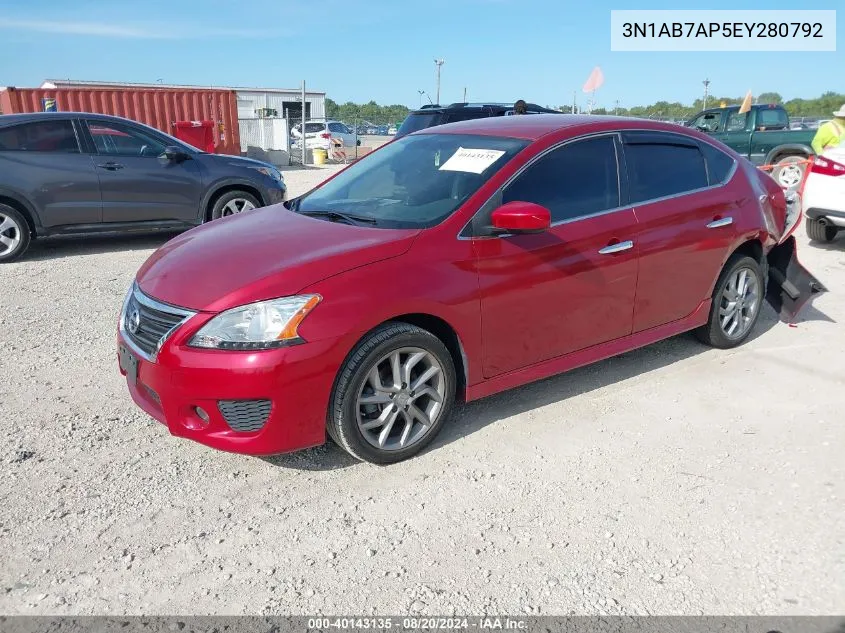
(336, 216)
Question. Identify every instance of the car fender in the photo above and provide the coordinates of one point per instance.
(19, 198)
(788, 148)
(385, 296)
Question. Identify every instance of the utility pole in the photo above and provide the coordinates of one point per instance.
(438, 63)
(422, 92)
(616, 109)
(574, 101)
(303, 123)
(465, 94)
(706, 83)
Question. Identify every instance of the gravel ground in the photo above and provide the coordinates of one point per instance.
(675, 479)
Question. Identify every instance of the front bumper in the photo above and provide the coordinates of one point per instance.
(275, 195)
(297, 381)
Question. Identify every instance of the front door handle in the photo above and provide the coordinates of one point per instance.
(110, 166)
(715, 224)
(616, 248)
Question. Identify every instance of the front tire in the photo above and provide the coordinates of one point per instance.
(737, 299)
(818, 232)
(232, 203)
(392, 395)
(14, 234)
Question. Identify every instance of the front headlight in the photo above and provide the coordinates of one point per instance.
(261, 325)
(275, 174)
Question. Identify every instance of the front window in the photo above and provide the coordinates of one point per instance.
(414, 182)
(116, 139)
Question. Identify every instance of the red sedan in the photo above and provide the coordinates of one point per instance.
(453, 264)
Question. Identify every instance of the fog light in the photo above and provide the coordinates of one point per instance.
(198, 421)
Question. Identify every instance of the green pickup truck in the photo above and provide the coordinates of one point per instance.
(763, 136)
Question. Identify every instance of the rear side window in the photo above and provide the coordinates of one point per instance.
(657, 170)
(465, 115)
(719, 165)
(311, 128)
(419, 121)
(576, 180)
(40, 136)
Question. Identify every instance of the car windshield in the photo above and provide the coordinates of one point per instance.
(419, 121)
(414, 182)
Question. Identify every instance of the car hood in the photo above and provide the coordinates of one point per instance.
(263, 254)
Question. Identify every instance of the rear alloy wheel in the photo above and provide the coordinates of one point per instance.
(232, 203)
(736, 303)
(14, 234)
(393, 394)
(789, 171)
(819, 232)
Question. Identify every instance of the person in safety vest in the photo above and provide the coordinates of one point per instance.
(831, 134)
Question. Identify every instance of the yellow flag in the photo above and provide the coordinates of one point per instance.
(746, 104)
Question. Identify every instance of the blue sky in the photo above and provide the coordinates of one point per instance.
(500, 50)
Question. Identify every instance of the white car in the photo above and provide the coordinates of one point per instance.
(391, 131)
(318, 134)
(824, 196)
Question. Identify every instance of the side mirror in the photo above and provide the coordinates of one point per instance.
(175, 154)
(521, 217)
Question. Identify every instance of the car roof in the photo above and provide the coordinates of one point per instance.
(534, 126)
(11, 119)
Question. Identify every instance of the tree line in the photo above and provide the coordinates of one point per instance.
(821, 107)
(368, 112)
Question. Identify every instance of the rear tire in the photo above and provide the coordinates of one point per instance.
(233, 202)
(818, 232)
(373, 414)
(737, 299)
(14, 234)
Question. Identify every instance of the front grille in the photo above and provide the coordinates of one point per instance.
(147, 323)
(245, 416)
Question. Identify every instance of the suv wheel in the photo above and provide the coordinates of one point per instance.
(392, 395)
(14, 234)
(232, 203)
(736, 304)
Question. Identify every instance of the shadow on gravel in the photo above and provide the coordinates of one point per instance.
(329, 456)
(71, 246)
(472, 417)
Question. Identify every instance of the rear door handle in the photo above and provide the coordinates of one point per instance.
(715, 224)
(616, 248)
(110, 166)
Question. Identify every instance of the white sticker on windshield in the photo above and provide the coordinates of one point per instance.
(472, 161)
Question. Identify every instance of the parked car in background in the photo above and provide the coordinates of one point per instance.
(432, 115)
(762, 135)
(453, 264)
(318, 134)
(823, 196)
(391, 131)
(64, 173)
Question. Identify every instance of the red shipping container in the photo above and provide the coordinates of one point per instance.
(200, 134)
(160, 108)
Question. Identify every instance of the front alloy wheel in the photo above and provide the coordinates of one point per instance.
(392, 394)
(401, 399)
